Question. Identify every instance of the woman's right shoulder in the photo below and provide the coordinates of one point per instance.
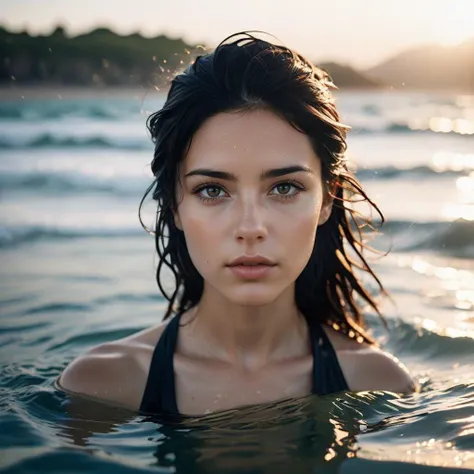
(114, 372)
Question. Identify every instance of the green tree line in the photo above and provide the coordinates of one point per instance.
(103, 57)
(98, 57)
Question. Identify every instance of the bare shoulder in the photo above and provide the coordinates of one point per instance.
(374, 369)
(367, 367)
(114, 372)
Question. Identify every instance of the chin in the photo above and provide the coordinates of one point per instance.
(252, 294)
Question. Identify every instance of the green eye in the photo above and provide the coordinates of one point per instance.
(212, 191)
(284, 188)
(209, 192)
(287, 189)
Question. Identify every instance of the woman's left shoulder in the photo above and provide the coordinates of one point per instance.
(366, 367)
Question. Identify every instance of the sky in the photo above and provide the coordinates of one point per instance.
(360, 33)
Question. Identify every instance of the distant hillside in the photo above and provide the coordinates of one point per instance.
(100, 57)
(429, 67)
(103, 58)
(347, 77)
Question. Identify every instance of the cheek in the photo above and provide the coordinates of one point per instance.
(299, 233)
(201, 240)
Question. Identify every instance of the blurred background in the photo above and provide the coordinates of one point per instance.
(77, 82)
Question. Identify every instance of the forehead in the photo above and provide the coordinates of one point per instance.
(249, 140)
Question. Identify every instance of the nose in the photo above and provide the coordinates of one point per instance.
(250, 221)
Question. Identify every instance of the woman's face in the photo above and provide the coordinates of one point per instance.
(250, 185)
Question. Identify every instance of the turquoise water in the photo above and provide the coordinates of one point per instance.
(77, 270)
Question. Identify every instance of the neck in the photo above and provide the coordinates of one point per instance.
(248, 336)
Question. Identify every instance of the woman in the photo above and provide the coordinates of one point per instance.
(255, 225)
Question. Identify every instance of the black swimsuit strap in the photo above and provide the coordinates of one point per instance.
(327, 373)
(160, 394)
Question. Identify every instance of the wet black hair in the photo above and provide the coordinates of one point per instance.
(245, 72)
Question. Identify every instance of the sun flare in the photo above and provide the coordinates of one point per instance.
(457, 22)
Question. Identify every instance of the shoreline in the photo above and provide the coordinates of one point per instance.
(61, 91)
(53, 92)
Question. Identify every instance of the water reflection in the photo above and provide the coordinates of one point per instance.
(446, 287)
(307, 435)
(447, 125)
(303, 434)
(448, 161)
(464, 208)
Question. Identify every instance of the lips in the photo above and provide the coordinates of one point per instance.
(256, 260)
(251, 267)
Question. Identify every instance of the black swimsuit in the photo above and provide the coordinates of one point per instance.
(160, 396)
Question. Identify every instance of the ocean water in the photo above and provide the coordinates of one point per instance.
(77, 270)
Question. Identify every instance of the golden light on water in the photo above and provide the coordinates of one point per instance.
(449, 286)
(458, 211)
(447, 125)
(433, 326)
(466, 184)
(442, 272)
(445, 161)
(467, 422)
(440, 124)
(456, 117)
(464, 208)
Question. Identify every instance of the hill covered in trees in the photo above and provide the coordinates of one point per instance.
(100, 57)
(104, 58)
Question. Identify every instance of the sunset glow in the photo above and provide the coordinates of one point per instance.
(456, 23)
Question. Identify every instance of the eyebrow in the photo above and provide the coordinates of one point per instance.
(272, 173)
